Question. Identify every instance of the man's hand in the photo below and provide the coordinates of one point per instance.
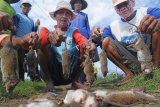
(96, 33)
(56, 37)
(6, 22)
(149, 24)
(26, 41)
(91, 47)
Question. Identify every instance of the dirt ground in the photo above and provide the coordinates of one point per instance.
(21, 101)
(61, 94)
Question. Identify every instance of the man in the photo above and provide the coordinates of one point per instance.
(121, 52)
(7, 23)
(82, 23)
(24, 25)
(49, 58)
(81, 19)
(23, 22)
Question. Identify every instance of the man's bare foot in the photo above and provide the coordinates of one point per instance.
(87, 84)
(124, 80)
(76, 85)
(127, 77)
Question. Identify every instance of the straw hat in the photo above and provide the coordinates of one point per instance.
(116, 2)
(62, 5)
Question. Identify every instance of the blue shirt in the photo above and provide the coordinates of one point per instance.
(152, 11)
(81, 22)
(24, 24)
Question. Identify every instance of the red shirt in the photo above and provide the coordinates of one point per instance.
(78, 38)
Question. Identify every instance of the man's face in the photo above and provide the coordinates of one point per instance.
(125, 9)
(25, 8)
(62, 17)
(78, 5)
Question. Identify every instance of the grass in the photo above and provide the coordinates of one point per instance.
(23, 89)
(151, 85)
(27, 88)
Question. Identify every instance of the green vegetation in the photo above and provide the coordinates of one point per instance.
(27, 88)
(151, 85)
(23, 89)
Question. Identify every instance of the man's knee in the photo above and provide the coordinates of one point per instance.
(156, 35)
(106, 42)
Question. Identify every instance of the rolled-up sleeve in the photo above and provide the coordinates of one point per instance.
(43, 34)
(2, 37)
(107, 33)
(154, 12)
(78, 38)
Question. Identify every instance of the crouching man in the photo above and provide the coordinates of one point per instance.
(48, 56)
(119, 38)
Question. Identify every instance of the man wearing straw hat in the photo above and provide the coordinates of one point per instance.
(49, 58)
(119, 38)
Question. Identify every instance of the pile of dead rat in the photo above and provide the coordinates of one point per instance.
(96, 98)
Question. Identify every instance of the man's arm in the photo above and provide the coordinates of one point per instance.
(107, 33)
(83, 43)
(56, 37)
(78, 38)
(43, 35)
(2, 39)
(25, 41)
(98, 34)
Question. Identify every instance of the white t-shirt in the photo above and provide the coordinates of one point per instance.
(125, 32)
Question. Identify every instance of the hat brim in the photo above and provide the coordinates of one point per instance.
(52, 14)
(118, 2)
(84, 4)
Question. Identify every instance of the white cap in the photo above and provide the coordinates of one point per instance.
(26, 2)
(116, 2)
